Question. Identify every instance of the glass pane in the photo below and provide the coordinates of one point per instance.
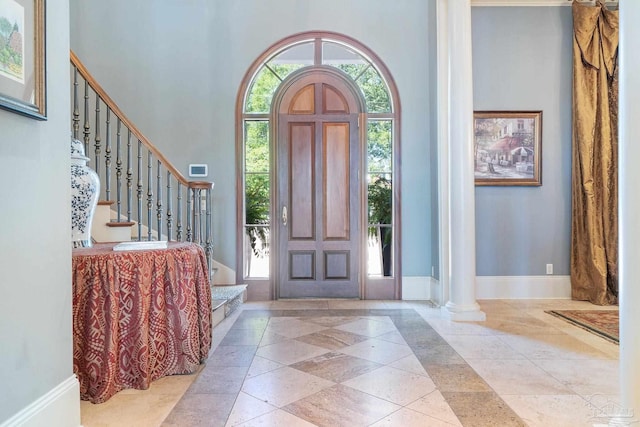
(344, 58)
(283, 70)
(265, 84)
(262, 89)
(380, 251)
(256, 146)
(337, 54)
(256, 193)
(353, 70)
(301, 55)
(256, 255)
(380, 199)
(379, 147)
(375, 92)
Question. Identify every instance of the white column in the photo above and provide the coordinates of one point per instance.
(462, 303)
(629, 208)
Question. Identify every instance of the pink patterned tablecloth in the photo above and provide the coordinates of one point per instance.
(138, 316)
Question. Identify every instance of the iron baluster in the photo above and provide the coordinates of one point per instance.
(139, 192)
(97, 139)
(129, 175)
(149, 194)
(159, 200)
(169, 207)
(119, 170)
(179, 219)
(197, 207)
(107, 157)
(189, 214)
(208, 247)
(76, 108)
(87, 125)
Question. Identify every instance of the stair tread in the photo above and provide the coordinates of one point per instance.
(227, 292)
(120, 224)
(217, 303)
(231, 295)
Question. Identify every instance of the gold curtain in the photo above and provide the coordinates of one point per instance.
(594, 231)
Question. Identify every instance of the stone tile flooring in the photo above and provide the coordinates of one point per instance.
(383, 363)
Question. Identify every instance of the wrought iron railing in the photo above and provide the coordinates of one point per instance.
(147, 191)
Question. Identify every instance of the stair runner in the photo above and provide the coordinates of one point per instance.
(231, 296)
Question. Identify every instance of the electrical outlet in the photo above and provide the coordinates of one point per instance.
(549, 268)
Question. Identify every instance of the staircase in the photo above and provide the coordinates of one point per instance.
(225, 299)
(105, 228)
(143, 196)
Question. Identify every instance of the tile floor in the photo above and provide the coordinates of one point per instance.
(384, 363)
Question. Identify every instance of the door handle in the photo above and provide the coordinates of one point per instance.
(284, 216)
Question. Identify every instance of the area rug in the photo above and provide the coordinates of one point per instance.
(604, 323)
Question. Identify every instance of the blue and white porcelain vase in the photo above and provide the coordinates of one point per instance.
(85, 188)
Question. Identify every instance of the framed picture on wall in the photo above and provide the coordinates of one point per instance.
(507, 147)
(22, 57)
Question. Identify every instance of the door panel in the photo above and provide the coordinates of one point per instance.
(304, 101)
(336, 265)
(302, 265)
(301, 177)
(335, 171)
(318, 163)
(333, 102)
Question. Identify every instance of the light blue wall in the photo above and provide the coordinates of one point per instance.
(36, 350)
(433, 134)
(522, 61)
(175, 69)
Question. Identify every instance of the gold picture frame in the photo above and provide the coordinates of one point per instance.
(507, 148)
(22, 57)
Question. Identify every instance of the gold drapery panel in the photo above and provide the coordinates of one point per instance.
(594, 231)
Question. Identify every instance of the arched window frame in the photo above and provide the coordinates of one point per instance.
(264, 285)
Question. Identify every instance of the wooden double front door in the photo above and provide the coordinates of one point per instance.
(319, 196)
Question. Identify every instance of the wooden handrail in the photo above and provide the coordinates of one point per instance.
(125, 120)
(202, 185)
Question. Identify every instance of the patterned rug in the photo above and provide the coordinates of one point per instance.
(604, 323)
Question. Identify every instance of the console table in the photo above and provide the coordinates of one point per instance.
(138, 316)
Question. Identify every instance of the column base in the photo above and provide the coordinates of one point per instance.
(463, 313)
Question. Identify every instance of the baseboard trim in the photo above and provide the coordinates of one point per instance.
(416, 288)
(523, 287)
(60, 407)
(436, 291)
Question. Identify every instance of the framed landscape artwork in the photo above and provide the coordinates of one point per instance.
(22, 57)
(507, 147)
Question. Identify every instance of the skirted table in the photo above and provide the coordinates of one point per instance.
(138, 316)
